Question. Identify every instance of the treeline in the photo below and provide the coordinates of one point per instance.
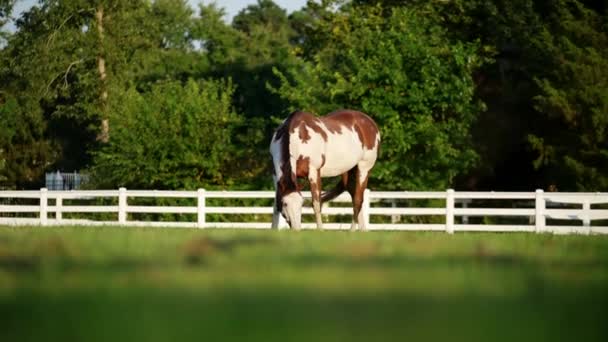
(154, 94)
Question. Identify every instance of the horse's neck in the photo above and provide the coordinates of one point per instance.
(289, 182)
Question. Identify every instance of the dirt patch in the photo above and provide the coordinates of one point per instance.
(362, 251)
(198, 250)
(52, 247)
(484, 254)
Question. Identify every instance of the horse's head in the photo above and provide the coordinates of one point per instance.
(288, 200)
(291, 209)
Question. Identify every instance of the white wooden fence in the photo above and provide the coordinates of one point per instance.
(537, 211)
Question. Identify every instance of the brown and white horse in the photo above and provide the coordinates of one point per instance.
(344, 142)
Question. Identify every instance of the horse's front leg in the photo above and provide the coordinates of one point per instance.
(276, 218)
(314, 179)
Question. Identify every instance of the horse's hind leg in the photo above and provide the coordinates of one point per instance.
(314, 179)
(337, 190)
(357, 189)
(351, 186)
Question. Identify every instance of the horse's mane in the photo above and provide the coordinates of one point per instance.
(289, 181)
(283, 130)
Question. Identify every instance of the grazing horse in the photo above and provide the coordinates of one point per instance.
(344, 142)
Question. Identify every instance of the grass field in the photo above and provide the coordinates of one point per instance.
(136, 284)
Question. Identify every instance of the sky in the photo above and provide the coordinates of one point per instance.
(232, 7)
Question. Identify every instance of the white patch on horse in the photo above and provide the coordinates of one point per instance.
(361, 217)
(306, 149)
(342, 151)
(368, 161)
(292, 209)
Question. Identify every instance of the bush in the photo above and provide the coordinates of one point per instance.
(174, 136)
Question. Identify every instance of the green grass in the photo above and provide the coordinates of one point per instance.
(137, 284)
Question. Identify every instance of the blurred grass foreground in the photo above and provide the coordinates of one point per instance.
(138, 284)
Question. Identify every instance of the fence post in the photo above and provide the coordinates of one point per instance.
(122, 205)
(587, 215)
(465, 204)
(43, 206)
(540, 211)
(394, 218)
(366, 206)
(58, 206)
(449, 212)
(201, 212)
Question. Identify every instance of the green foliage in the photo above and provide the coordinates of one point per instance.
(544, 54)
(264, 44)
(219, 41)
(175, 136)
(52, 64)
(156, 43)
(246, 51)
(399, 66)
(2, 168)
(24, 150)
(264, 12)
(6, 7)
(485, 95)
(574, 98)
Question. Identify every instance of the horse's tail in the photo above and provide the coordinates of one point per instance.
(333, 193)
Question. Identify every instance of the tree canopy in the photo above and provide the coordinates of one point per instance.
(399, 65)
(471, 94)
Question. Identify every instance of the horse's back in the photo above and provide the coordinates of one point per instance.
(354, 141)
(358, 121)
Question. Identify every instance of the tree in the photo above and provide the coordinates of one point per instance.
(504, 30)
(246, 51)
(174, 136)
(398, 65)
(59, 65)
(24, 150)
(69, 58)
(6, 7)
(573, 98)
(265, 45)
(546, 101)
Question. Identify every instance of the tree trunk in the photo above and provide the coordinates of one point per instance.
(104, 132)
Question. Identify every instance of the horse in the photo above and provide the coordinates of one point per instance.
(343, 143)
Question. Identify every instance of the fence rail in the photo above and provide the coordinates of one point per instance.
(538, 211)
